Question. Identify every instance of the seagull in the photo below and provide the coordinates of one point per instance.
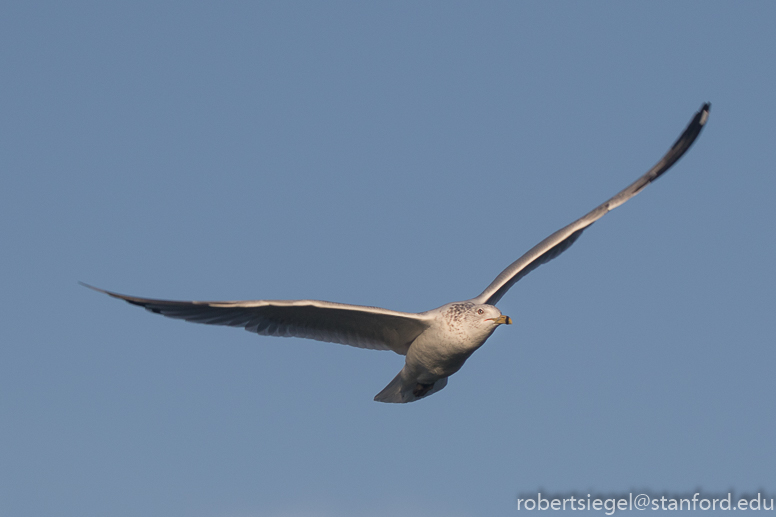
(435, 343)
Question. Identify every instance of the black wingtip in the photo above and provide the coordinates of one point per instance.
(109, 293)
(704, 113)
(92, 287)
(701, 117)
(128, 299)
(687, 138)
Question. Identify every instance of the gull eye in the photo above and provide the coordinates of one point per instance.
(480, 311)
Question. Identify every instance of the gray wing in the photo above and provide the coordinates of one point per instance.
(561, 240)
(363, 327)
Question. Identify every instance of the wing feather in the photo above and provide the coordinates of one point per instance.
(561, 240)
(354, 325)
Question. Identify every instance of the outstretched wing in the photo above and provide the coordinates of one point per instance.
(561, 240)
(355, 325)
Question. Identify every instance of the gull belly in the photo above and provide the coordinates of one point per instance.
(456, 332)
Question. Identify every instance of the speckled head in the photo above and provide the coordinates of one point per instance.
(475, 315)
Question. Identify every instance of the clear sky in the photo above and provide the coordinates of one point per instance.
(396, 154)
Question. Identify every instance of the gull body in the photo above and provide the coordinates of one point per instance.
(435, 343)
(457, 331)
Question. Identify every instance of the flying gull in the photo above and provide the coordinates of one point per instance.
(435, 343)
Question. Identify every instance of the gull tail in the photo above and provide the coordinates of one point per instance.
(398, 392)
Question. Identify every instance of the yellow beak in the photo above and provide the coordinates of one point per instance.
(502, 320)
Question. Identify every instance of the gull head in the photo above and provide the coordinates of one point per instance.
(465, 326)
(491, 315)
(474, 319)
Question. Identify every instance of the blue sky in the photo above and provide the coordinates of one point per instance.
(396, 154)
